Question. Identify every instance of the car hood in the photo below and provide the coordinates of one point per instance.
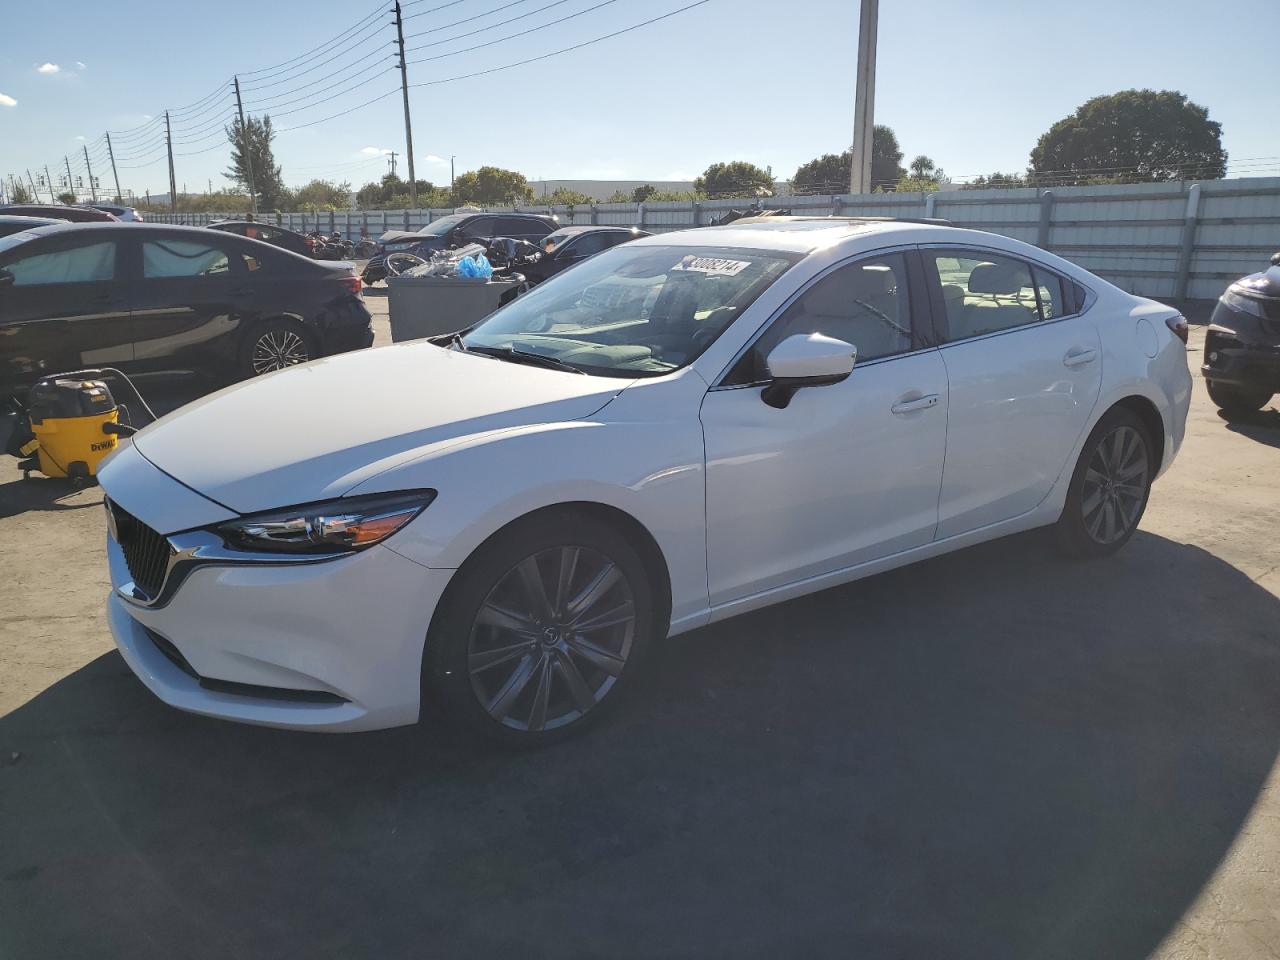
(317, 430)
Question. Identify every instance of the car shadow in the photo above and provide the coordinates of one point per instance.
(45, 494)
(1263, 426)
(992, 754)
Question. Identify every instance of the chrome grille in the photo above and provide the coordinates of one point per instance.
(146, 552)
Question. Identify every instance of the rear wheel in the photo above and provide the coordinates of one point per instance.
(275, 345)
(541, 631)
(1236, 400)
(1109, 488)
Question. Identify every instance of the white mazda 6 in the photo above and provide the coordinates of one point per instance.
(678, 430)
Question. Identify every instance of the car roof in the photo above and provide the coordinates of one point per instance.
(133, 230)
(600, 228)
(29, 221)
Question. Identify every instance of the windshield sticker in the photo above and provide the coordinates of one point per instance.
(714, 265)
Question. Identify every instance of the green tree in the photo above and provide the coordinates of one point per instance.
(830, 173)
(392, 193)
(20, 193)
(268, 183)
(923, 168)
(996, 180)
(569, 197)
(737, 178)
(320, 195)
(491, 185)
(620, 197)
(910, 184)
(67, 197)
(1135, 135)
(642, 193)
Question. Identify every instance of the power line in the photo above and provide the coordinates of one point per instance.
(272, 103)
(471, 19)
(381, 8)
(248, 88)
(341, 113)
(510, 36)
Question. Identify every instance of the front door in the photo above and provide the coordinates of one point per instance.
(64, 308)
(846, 473)
(1024, 373)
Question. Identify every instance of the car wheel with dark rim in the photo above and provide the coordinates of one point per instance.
(1236, 401)
(540, 630)
(275, 345)
(1110, 486)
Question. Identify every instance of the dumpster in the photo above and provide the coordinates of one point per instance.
(430, 306)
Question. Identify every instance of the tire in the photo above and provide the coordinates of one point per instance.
(504, 670)
(275, 344)
(1236, 401)
(1109, 487)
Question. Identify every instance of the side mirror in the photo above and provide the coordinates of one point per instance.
(7, 279)
(806, 360)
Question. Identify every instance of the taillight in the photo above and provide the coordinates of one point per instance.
(1179, 327)
(353, 286)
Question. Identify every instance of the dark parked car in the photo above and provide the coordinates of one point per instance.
(276, 236)
(570, 245)
(149, 298)
(10, 225)
(59, 211)
(458, 230)
(1242, 348)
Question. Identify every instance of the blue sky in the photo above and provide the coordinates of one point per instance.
(971, 84)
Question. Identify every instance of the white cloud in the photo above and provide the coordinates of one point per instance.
(432, 158)
(375, 151)
(7, 101)
(80, 65)
(48, 68)
(79, 138)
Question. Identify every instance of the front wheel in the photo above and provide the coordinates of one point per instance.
(1109, 488)
(275, 345)
(542, 629)
(1236, 401)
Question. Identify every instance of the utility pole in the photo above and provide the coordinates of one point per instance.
(451, 159)
(93, 190)
(173, 182)
(71, 184)
(48, 178)
(112, 154)
(864, 98)
(35, 195)
(408, 124)
(245, 142)
(393, 163)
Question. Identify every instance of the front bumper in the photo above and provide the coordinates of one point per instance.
(327, 646)
(1233, 360)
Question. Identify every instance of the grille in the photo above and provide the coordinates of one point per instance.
(146, 552)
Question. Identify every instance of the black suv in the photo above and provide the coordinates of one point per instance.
(458, 230)
(148, 298)
(1242, 348)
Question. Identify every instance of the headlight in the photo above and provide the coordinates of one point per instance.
(1244, 304)
(352, 523)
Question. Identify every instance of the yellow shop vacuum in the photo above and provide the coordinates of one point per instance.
(71, 423)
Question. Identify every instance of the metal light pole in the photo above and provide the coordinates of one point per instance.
(451, 159)
(408, 124)
(864, 98)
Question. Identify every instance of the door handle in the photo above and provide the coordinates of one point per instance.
(918, 403)
(1078, 358)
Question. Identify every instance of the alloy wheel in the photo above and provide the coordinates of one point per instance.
(277, 349)
(551, 638)
(1115, 485)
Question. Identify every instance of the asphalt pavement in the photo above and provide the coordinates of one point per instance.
(993, 754)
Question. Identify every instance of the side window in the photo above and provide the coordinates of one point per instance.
(588, 244)
(985, 293)
(516, 227)
(1049, 288)
(90, 263)
(864, 303)
(479, 227)
(182, 258)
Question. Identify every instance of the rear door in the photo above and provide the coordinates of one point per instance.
(1024, 372)
(185, 316)
(66, 307)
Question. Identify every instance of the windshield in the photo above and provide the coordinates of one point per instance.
(633, 311)
(438, 228)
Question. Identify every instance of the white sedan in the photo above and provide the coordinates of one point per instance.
(679, 430)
